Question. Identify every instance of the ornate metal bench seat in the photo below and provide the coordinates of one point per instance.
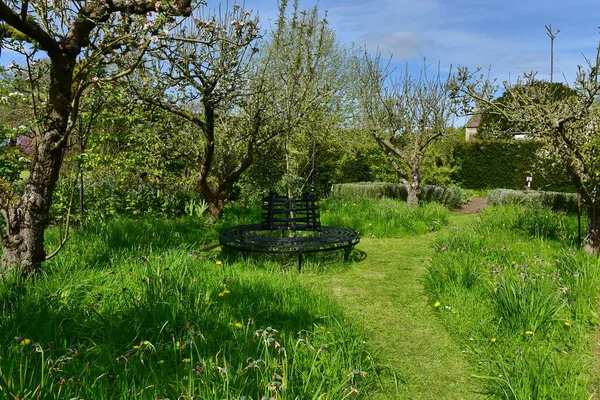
(289, 226)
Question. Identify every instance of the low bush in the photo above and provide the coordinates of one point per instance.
(556, 201)
(521, 301)
(107, 197)
(449, 197)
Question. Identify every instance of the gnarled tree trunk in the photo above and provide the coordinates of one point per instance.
(27, 218)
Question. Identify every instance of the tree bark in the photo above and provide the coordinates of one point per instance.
(413, 188)
(27, 217)
(215, 209)
(591, 242)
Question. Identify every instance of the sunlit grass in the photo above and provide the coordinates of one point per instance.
(521, 298)
(383, 218)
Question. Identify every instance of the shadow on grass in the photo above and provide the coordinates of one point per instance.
(327, 261)
(161, 310)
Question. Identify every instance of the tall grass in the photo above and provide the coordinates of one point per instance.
(521, 299)
(139, 309)
(383, 218)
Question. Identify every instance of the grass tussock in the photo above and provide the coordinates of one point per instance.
(137, 309)
(521, 300)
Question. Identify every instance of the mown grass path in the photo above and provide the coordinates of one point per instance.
(385, 293)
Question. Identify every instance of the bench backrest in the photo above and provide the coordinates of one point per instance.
(300, 213)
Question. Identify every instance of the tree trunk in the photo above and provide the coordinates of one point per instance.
(27, 218)
(413, 188)
(215, 209)
(592, 235)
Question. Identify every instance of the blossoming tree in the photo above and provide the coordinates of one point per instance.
(85, 41)
(203, 73)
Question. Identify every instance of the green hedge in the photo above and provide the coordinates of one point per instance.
(556, 201)
(449, 197)
(492, 164)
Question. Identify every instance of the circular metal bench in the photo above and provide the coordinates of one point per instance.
(290, 226)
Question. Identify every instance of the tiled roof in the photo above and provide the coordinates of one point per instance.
(474, 121)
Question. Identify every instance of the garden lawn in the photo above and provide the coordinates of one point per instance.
(385, 294)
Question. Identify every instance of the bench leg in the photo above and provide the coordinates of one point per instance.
(347, 251)
(300, 262)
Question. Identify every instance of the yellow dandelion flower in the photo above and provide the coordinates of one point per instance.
(493, 340)
(25, 342)
(219, 262)
(238, 325)
(437, 304)
(161, 361)
(186, 360)
(223, 293)
(567, 323)
(136, 347)
(529, 333)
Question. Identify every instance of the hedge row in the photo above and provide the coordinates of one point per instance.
(557, 201)
(506, 164)
(449, 197)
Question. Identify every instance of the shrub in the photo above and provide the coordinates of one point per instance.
(495, 164)
(108, 195)
(556, 201)
(449, 197)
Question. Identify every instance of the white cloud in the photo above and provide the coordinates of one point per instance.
(402, 45)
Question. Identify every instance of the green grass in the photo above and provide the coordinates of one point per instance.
(521, 299)
(416, 356)
(152, 309)
(137, 309)
(383, 218)
(475, 192)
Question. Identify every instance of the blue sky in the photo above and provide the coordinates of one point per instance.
(508, 35)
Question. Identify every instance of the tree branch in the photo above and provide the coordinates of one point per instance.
(32, 31)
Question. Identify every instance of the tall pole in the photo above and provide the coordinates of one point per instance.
(551, 35)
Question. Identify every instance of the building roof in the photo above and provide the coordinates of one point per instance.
(474, 121)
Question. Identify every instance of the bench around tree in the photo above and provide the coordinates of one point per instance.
(289, 226)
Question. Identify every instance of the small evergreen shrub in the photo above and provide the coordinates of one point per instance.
(556, 201)
(449, 197)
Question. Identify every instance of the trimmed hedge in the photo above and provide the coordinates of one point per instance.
(449, 197)
(492, 164)
(557, 201)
